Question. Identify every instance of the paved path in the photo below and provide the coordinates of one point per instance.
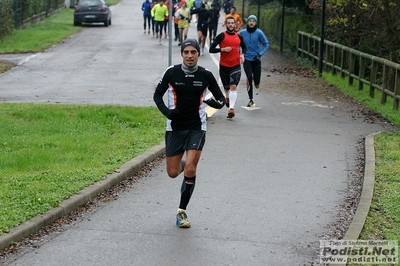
(269, 182)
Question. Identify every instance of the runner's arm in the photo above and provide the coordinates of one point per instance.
(213, 46)
(215, 90)
(264, 43)
(242, 45)
(161, 88)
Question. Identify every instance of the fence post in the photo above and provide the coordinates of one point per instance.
(351, 66)
(17, 14)
(396, 89)
(361, 72)
(334, 59)
(342, 63)
(385, 77)
(298, 44)
(374, 72)
(316, 51)
(327, 57)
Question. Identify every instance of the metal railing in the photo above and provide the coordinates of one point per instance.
(372, 71)
(27, 12)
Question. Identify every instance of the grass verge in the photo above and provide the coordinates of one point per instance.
(41, 35)
(384, 215)
(50, 152)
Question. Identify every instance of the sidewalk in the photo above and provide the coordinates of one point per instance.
(270, 184)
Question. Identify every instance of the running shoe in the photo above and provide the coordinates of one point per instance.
(250, 104)
(231, 113)
(182, 220)
(148, 32)
(227, 102)
(257, 86)
(144, 31)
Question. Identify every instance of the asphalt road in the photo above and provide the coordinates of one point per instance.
(269, 183)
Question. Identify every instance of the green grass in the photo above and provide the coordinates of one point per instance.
(383, 218)
(362, 96)
(41, 35)
(49, 152)
(384, 215)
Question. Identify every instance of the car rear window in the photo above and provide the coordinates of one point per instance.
(90, 3)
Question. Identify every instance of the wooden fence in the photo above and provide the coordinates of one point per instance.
(372, 71)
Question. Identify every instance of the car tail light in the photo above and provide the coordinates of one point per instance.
(102, 8)
(78, 9)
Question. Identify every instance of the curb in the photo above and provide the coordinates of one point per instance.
(367, 192)
(33, 225)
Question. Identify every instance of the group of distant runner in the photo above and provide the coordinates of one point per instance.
(206, 15)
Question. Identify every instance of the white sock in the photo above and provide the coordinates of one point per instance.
(227, 93)
(232, 99)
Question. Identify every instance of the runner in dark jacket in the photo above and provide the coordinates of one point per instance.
(213, 24)
(202, 25)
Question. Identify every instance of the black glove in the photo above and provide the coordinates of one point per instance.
(257, 58)
(173, 114)
(214, 104)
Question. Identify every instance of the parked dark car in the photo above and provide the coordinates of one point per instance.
(90, 11)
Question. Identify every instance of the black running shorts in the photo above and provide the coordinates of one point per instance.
(176, 142)
(229, 75)
(203, 28)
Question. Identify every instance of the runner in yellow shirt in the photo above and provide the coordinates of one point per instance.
(183, 14)
(158, 12)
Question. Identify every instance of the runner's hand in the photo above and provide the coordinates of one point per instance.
(213, 103)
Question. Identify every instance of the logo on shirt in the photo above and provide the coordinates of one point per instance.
(197, 83)
(179, 83)
(189, 76)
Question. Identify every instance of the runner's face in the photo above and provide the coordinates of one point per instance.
(252, 23)
(230, 24)
(190, 56)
